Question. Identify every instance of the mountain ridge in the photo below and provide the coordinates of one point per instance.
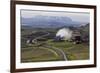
(49, 21)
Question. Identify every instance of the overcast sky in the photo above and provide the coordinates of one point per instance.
(75, 16)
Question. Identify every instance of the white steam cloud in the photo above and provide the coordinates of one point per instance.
(65, 33)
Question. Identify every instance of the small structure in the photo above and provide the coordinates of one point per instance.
(31, 41)
(76, 37)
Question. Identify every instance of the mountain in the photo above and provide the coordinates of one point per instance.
(40, 21)
(84, 30)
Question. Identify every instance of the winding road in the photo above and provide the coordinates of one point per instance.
(61, 52)
(57, 50)
(42, 36)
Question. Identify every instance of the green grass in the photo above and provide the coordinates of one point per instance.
(73, 51)
(36, 54)
(40, 54)
(61, 44)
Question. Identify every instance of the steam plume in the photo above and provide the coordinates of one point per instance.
(65, 33)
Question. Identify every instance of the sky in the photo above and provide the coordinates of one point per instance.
(75, 16)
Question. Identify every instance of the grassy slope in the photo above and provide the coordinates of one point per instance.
(73, 51)
(36, 54)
